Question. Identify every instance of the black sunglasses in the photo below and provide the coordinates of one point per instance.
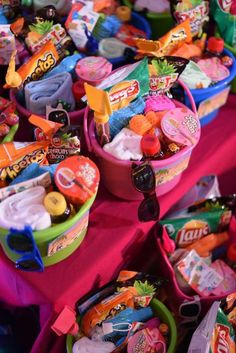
(144, 181)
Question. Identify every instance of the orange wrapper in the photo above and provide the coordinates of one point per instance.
(107, 308)
(167, 44)
(16, 156)
(175, 38)
(188, 51)
(40, 63)
(140, 124)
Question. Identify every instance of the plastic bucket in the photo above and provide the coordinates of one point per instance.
(218, 92)
(140, 23)
(160, 23)
(58, 242)
(116, 174)
(175, 295)
(160, 311)
(26, 130)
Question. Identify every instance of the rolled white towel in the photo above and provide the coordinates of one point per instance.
(25, 208)
(85, 345)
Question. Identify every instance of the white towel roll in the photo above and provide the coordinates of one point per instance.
(25, 208)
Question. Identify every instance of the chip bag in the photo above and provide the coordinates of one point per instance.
(16, 156)
(228, 305)
(167, 44)
(34, 69)
(197, 11)
(164, 72)
(225, 20)
(192, 227)
(223, 338)
(126, 84)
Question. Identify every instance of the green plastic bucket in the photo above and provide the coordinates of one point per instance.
(59, 241)
(233, 51)
(161, 311)
(160, 23)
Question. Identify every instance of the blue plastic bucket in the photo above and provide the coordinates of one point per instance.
(140, 23)
(204, 94)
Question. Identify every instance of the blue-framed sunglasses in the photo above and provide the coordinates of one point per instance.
(22, 242)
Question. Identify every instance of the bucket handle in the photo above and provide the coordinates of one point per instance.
(86, 133)
(190, 97)
(86, 115)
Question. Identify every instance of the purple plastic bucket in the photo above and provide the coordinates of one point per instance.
(116, 174)
(25, 131)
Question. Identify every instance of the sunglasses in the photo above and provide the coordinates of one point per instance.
(144, 181)
(189, 312)
(22, 242)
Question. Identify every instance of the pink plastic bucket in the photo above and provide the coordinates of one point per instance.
(116, 174)
(25, 131)
(176, 296)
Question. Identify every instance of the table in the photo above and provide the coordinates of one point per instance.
(115, 238)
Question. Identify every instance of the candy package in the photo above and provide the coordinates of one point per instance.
(197, 11)
(228, 305)
(9, 120)
(167, 44)
(143, 286)
(65, 143)
(201, 277)
(79, 17)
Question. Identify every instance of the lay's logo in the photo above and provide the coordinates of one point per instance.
(222, 342)
(191, 232)
(125, 90)
(225, 4)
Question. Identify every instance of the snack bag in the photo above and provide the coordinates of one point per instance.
(126, 84)
(164, 72)
(223, 338)
(42, 31)
(106, 309)
(64, 143)
(79, 17)
(223, 13)
(40, 63)
(197, 11)
(167, 44)
(16, 156)
(143, 286)
(185, 231)
(228, 305)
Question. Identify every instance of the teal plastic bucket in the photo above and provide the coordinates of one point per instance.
(160, 23)
(160, 311)
(207, 94)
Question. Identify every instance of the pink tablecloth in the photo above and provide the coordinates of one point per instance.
(115, 238)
